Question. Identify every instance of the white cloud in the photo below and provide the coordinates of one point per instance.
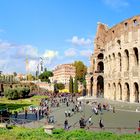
(116, 4)
(70, 52)
(27, 51)
(50, 54)
(13, 56)
(33, 65)
(86, 53)
(80, 41)
(4, 46)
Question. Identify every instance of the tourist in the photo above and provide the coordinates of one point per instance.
(26, 113)
(89, 120)
(67, 103)
(101, 123)
(95, 110)
(66, 113)
(15, 114)
(69, 113)
(66, 124)
(82, 123)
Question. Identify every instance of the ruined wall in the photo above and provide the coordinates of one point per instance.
(122, 52)
(121, 48)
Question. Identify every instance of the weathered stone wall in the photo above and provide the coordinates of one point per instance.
(121, 48)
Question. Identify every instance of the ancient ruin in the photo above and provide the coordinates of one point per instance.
(114, 72)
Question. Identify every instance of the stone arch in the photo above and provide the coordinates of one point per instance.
(120, 61)
(113, 55)
(100, 56)
(114, 61)
(127, 92)
(136, 56)
(100, 66)
(100, 86)
(109, 57)
(126, 54)
(91, 86)
(114, 91)
(136, 92)
(119, 91)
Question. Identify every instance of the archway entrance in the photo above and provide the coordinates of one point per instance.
(100, 86)
(91, 86)
(120, 91)
(114, 91)
(100, 56)
(127, 90)
(100, 67)
(136, 92)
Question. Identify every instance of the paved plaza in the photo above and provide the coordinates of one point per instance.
(124, 119)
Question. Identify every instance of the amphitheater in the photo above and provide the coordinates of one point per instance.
(114, 71)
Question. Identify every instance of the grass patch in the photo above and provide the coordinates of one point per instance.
(20, 133)
(19, 104)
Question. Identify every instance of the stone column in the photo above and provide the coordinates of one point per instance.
(132, 92)
(88, 84)
(132, 66)
(124, 92)
(95, 87)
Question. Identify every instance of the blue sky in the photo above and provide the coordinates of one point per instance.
(60, 30)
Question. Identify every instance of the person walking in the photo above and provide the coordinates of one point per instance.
(26, 113)
(66, 113)
(66, 127)
(89, 120)
(101, 123)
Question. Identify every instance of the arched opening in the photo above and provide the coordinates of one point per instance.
(127, 59)
(127, 92)
(114, 91)
(114, 63)
(136, 92)
(109, 90)
(100, 67)
(120, 61)
(100, 86)
(100, 56)
(136, 56)
(120, 91)
(91, 86)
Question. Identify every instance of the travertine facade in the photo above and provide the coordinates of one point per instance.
(115, 66)
(62, 73)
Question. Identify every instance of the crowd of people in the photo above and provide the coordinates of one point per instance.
(72, 106)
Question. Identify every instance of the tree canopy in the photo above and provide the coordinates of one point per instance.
(71, 90)
(44, 77)
(81, 70)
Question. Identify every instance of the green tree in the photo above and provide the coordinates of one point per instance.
(15, 74)
(30, 77)
(71, 85)
(75, 85)
(45, 76)
(81, 70)
(60, 86)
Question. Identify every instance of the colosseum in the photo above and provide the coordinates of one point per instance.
(114, 71)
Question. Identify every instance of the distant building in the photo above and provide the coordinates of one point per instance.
(20, 77)
(62, 73)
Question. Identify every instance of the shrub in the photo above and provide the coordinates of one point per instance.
(15, 93)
